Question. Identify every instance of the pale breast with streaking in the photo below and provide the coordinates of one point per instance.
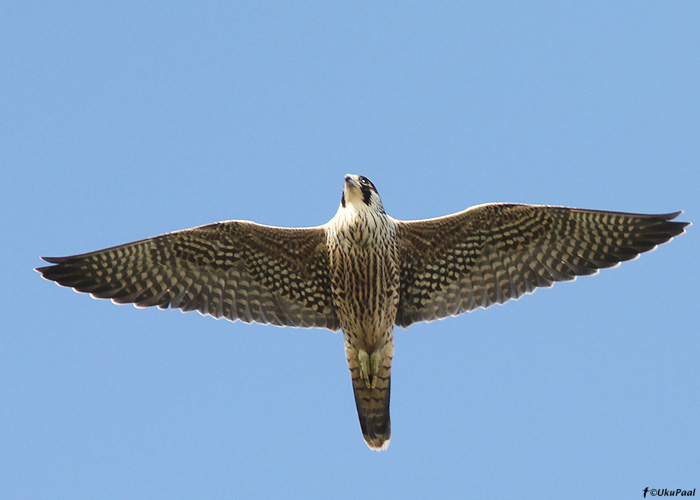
(365, 272)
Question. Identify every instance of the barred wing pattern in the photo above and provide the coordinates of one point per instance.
(491, 253)
(235, 269)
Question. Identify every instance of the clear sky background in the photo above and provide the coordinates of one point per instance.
(123, 120)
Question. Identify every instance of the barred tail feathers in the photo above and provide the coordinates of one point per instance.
(373, 412)
(372, 392)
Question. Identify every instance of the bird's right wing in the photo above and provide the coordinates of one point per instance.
(235, 269)
(492, 253)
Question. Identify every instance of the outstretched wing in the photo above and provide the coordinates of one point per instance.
(235, 269)
(492, 253)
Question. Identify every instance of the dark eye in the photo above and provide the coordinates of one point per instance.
(365, 181)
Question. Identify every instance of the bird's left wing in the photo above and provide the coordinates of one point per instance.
(235, 269)
(495, 252)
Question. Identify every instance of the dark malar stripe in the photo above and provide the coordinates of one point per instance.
(366, 195)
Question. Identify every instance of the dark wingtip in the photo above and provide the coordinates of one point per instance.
(49, 272)
(46, 272)
(54, 260)
(675, 227)
(673, 215)
(685, 224)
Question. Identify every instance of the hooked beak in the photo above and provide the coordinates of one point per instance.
(351, 182)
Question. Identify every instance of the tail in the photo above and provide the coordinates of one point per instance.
(373, 411)
(371, 384)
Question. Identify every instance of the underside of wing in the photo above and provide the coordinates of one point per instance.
(235, 270)
(492, 253)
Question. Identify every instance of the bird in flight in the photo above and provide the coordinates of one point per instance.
(364, 272)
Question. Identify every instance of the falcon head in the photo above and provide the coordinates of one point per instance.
(360, 193)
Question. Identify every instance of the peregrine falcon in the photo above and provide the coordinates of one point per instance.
(364, 272)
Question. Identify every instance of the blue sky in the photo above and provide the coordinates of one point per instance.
(125, 120)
